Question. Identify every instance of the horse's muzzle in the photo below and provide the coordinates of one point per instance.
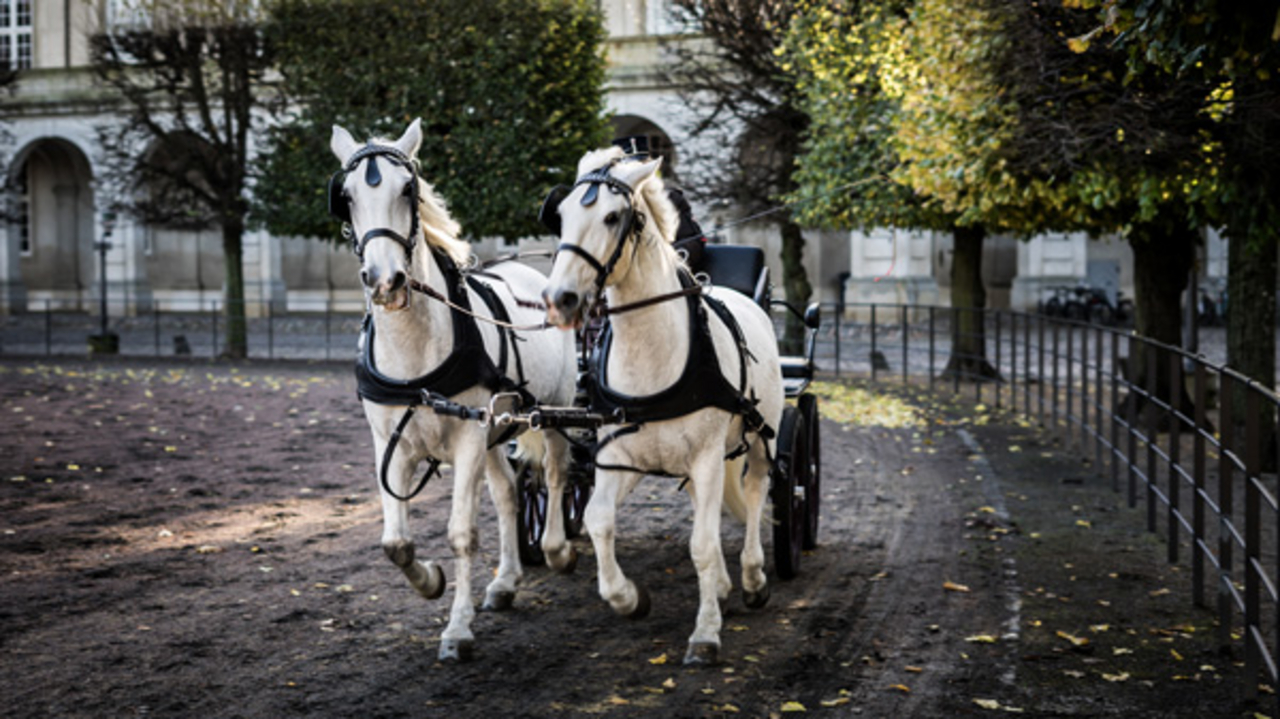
(389, 293)
(565, 308)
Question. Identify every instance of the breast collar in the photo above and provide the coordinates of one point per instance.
(468, 364)
(700, 385)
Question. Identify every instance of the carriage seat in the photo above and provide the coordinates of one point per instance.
(740, 267)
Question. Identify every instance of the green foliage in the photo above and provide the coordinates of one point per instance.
(989, 113)
(510, 94)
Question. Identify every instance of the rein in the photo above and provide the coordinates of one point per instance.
(429, 291)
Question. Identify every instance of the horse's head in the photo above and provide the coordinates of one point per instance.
(601, 221)
(377, 193)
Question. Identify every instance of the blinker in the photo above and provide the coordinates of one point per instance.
(371, 174)
(591, 195)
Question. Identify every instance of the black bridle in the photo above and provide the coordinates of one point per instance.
(632, 225)
(340, 201)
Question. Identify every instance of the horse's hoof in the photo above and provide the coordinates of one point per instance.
(641, 610)
(701, 654)
(756, 600)
(433, 589)
(498, 601)
(571, 565)
(457, 650)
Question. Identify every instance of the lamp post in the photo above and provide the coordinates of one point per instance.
(104, 342)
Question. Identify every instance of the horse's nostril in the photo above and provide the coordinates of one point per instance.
(398, 281)
(365, 279)
(567, 300)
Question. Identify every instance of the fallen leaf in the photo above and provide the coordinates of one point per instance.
(981, 639)
(901, 688)
(660, 659)
(727, 708)
(1073, 673)
(991, 704)
(1121, 677)
(835, 702)
(618, 701)
(1084, 523)
(1159, 592)
(1077, 641)
(1174, 653)
(913, 669)
(953, 587)
(670, 683)
(1121, 651)
(793, 707)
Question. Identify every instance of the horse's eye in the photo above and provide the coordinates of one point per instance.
(611, 218)
(408, 189)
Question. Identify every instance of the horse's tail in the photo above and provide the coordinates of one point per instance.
(734, 498)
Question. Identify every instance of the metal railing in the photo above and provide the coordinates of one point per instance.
(1191, 439)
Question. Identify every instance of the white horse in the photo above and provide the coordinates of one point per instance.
(617, 225)
(415, 337)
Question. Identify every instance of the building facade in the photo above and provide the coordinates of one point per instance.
(52, 254)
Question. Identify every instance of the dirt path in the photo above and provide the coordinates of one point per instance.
(202, 540)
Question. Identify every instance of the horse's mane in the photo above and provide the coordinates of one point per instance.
(438, 226)
(662, 214)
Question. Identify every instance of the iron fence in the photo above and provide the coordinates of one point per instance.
(1189, 438)
(1192, 439)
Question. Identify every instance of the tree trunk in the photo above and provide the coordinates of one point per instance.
(233, 301)
(1251, 322)
(795, 283)
(968, 303)
(1162, 261)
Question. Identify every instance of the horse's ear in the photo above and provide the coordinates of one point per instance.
(342, 144)
(411, 140)
(634, 173)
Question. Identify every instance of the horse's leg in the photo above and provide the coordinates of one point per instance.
(501, 592)
(755, 486)
(457, 641)
(626, 597)
(426, 577)
(707, 473)
(560, 554)
(724, 585)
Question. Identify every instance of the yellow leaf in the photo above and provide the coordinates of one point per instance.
(991, 704)
(1121, 677)
(670, 683)
(660, 659)
(727, 708)
(617, 700)
(1175, 654)
(835, 702)
(901, 688)
(1077, 641)
(981, 639)
(913, 669)
(1084, 523)
(953, 587)
(1159, 592)
(793, 707)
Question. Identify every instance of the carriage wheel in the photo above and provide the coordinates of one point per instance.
(531, 514)
(813, 475)
(787, 493)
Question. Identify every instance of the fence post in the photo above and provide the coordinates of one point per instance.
(1053, 387)
(1175, 454)
(213, 314)
(1115, 406)
(1198, 490)
(1097, 396)
(48, 327)
(155, 323)
(1071, 396)
(1153, 426)
(1252, 541)
(1226, 508)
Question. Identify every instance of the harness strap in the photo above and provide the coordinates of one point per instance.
(433, 467)
(622, 432)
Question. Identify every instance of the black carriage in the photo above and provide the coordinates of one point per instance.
(797, 472)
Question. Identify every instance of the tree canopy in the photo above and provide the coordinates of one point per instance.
(510, 94)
